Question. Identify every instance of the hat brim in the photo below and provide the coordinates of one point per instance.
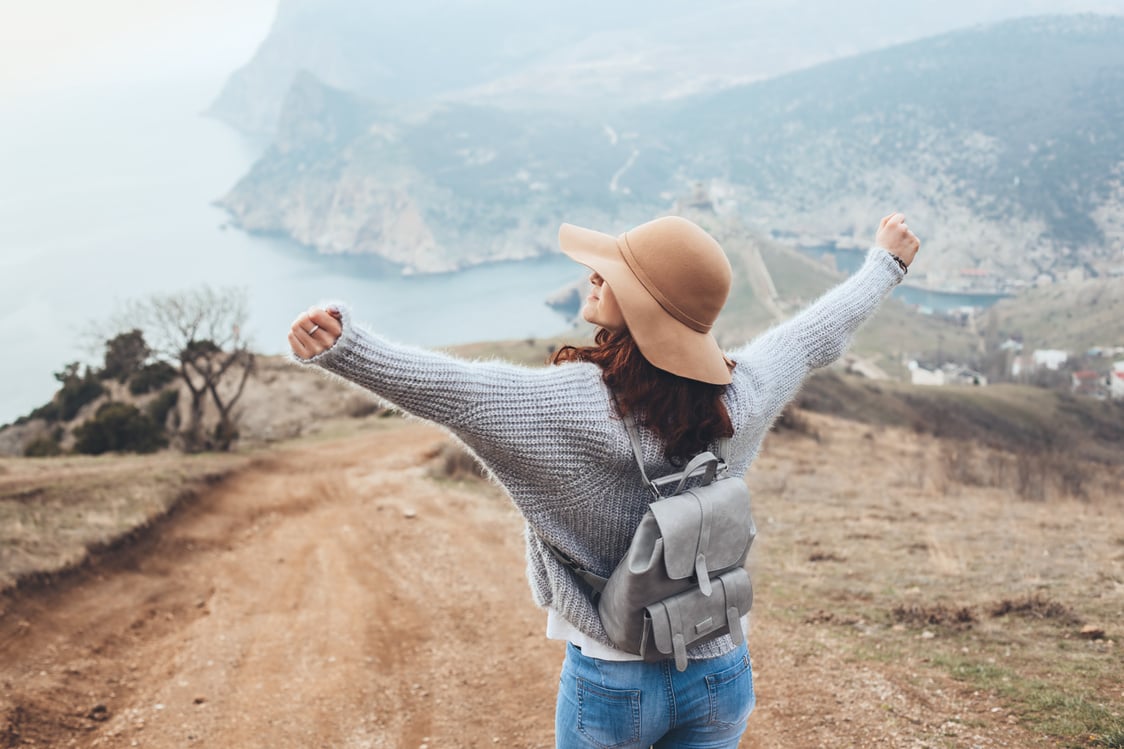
(664, 341)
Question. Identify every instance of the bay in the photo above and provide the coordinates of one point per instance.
(932, 300)
(106, 196)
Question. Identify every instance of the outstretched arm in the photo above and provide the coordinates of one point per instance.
(778, 361)
(425, 383)
(494, 407)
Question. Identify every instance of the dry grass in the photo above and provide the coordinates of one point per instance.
(55, 511)
(451, 461)
(945, 568)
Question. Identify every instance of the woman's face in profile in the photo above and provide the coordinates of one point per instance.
(601, 306)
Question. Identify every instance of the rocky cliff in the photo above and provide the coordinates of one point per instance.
(1002, 144)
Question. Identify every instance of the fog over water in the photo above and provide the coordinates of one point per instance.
(108, 198)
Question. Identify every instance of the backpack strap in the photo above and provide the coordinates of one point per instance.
(637, 450)
(723, 450)
(594, 581)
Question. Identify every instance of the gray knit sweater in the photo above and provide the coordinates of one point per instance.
(552, 438)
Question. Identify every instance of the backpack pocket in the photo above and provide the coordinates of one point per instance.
(692, 617)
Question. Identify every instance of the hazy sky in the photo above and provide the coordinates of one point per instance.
(52, 45)
(48, 46)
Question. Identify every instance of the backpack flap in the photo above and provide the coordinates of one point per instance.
(674, 624)
(705, 529)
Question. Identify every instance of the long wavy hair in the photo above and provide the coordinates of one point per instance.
(688, 415)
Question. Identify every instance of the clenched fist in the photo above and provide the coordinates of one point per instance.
(315, 331)
(895, 236)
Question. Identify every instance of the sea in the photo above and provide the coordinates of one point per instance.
(107, 197)
(924, 299)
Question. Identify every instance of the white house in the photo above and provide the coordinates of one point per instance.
(949, 374)
(1116, 388)
(918, 375)
(1050, 358)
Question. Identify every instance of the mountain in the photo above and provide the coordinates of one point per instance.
(1002, 144)
(582, 54)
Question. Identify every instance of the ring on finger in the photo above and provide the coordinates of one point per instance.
(313, 329)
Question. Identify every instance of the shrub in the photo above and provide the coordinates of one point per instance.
(158, 408)
(119, 427)
(151, 377)
(42, 447)
(792, 420)
(452, 461)
(48, 411)
(124, 355)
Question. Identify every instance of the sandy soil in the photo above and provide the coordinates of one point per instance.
(335, 595)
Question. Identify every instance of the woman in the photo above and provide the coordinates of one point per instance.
(554, 439)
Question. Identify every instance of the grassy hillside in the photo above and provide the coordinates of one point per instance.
(55, 513)
(1016, 418)
(1069, 316)
(895, 333)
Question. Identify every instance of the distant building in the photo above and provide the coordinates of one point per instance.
(919, 375)
(1049, 359)
(1116, 377)
(949, 374)
(1089, 383)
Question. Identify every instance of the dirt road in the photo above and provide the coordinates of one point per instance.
(335, 595)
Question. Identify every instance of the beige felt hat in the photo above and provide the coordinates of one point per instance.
(671, 280)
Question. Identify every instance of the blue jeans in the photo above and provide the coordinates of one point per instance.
(635, 705)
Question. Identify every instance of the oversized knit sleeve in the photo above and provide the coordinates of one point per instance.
(517, 419)
(776, 363)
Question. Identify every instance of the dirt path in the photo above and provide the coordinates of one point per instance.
(335, 596)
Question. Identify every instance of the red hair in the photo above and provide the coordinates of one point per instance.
(688, 415)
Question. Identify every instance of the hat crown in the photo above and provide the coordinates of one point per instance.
(682, 267)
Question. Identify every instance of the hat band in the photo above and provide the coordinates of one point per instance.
(669, 306)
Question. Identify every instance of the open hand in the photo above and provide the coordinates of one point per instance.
(315, 331)
(895, 236)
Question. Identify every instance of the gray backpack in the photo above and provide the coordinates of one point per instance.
(682, 581)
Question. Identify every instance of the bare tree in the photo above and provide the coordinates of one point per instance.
(200, 333)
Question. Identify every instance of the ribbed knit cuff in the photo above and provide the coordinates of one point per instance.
(884, 259)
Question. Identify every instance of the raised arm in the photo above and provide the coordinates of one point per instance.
(494, 407)
(777, 362)
(435, 386)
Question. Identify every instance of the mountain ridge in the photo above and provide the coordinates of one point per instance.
(438, 186)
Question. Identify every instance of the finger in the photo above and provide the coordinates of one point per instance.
(312, 346)
(298, 348)
(329, 324)
(334, 311)
(308, 325)
(302, 322)
(885, 220)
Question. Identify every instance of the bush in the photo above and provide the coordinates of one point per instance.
(124, 355)
(151, 377)
(158, 408)
(71, 399)
(119, 427)
(42, 447)
(452, 461)
(48, 411)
